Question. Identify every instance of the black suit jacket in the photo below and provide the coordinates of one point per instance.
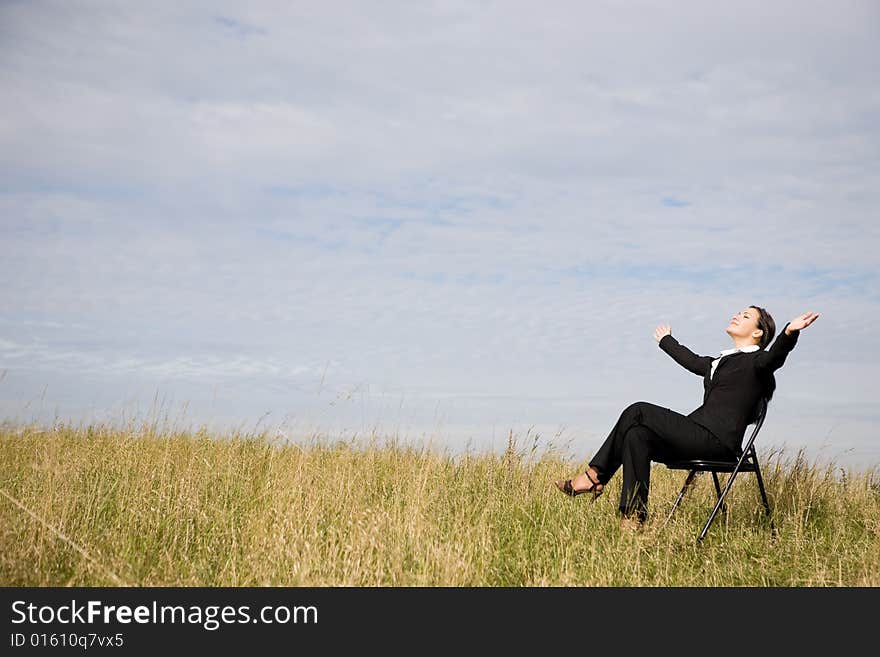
(730, 397)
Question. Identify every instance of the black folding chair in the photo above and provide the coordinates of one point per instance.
(747, 462)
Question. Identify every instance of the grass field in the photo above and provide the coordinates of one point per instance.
(98, 505)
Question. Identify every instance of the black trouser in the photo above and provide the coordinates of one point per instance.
(646, 432)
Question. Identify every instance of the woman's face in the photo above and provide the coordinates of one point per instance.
(745, 325)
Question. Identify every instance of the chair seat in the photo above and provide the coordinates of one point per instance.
(711, 466)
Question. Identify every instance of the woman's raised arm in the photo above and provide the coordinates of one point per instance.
(773, 358)
(681, 354)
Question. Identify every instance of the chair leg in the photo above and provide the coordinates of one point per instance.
(718, 491)
(763, 494)
(687, 482)
(718, 504)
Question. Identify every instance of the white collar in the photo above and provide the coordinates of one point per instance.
(751, 347)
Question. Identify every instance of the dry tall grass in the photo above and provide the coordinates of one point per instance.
(97, 505)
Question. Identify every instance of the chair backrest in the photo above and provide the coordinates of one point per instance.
(759, 420)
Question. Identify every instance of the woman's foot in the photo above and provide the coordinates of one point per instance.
(583, 482)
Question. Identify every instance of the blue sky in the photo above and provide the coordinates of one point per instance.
(442, 221)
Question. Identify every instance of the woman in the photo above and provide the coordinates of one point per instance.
(734, 382)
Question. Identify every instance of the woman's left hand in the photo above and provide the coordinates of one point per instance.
(801, 321)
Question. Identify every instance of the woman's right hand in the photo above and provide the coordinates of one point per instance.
(661, 330)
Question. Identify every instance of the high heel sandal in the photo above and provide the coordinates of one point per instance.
(566, 488)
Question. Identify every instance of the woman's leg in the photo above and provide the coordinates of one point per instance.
(640, 446)
(610, 455)
(646, 432)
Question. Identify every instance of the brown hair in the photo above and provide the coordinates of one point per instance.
(768, 326)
